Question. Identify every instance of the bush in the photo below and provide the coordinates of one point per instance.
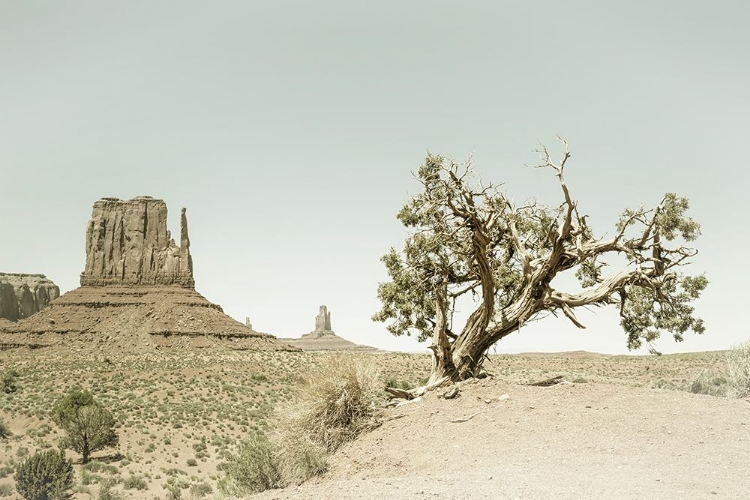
(4, 431)
(300, 458)
(8, 381)
(89, 426)
(200, 490)
(44, 475)
(107, 494)
(6, 490)
(253, 469)
(738, 361)
(710, 385)
(135, 483)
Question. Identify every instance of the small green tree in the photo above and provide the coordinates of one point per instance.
(89, 426)
(46, 475)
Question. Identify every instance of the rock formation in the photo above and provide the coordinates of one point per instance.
(22, 295)
(127, 243)
(135, 317)
(137, 292)
(323, 321)
(323, 338)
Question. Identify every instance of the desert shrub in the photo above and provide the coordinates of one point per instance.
(663, 384)
(252, 469)
(135, 483)
(107, 494)
(88, 425)
(46, 475)
(200, 490)
(6, 490)
(392, 381)
(173, 492)
(738, 361)
(299, 458)
(4, 431)
(8, 381)
(709, 384)
(97, 466)
(6, 470)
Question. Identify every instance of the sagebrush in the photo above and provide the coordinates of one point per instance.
(46, 475)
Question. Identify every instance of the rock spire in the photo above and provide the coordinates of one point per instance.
(323, 320)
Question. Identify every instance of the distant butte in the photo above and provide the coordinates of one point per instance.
(137, 292)
(323, 338)
(22, 295)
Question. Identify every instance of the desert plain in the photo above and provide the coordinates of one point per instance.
(616, 427)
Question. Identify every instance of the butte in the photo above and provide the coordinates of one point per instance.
(323, 338)
(137, 292)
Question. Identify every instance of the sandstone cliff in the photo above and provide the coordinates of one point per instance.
(127, 243)
(22, 295)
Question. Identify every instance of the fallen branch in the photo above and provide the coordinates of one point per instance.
(399, 393)
(465, 419)
(548, 382)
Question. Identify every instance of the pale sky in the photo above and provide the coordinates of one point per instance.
(290, 131)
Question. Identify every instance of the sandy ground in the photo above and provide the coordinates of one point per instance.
(571, 441)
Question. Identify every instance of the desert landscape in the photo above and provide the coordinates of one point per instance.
(617, 427)
(189, 403)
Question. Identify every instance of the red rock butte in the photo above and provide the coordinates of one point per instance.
(137, 292)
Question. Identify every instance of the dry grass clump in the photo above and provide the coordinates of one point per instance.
(335, 403)
(738, 361)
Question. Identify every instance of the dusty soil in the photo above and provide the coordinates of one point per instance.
(570, 441)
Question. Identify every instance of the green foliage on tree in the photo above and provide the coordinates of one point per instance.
(470, 242)
(46, 475)
(89, 427)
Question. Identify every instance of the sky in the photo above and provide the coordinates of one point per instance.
(291, 130)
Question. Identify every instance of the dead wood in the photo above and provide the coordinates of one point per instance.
(399, 393)
(548, 382)
(465, 419)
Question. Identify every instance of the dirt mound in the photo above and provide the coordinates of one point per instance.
(570, 441)
(134, 317)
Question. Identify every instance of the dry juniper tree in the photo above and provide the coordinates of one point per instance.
(469, 241)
